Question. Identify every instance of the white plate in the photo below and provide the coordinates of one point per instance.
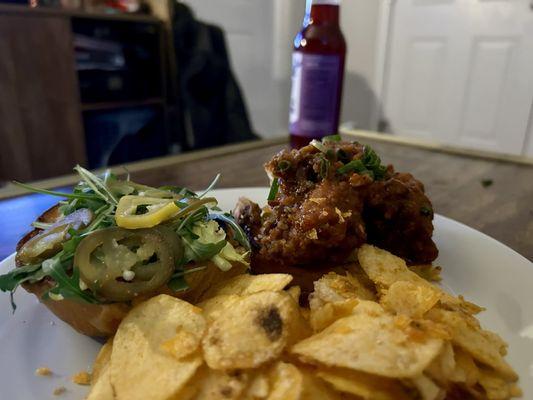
(474, 265)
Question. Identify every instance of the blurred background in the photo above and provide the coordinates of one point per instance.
(108, 82)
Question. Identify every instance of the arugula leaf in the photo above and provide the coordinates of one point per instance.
(210, 187)
(11, 280)
(238, 232)
(273, 189)
(67, 287)
(178, 190)
(97, 185)
(198, 251)
(185, 225)
(178, 284)
(54, 193)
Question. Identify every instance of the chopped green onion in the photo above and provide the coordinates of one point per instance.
(426, 211)
(283, 165)
(332, 138)
(343, 156)
(353, 166)
(273, 189)
(319, 145)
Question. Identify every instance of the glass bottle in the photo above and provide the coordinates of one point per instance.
(317, 74)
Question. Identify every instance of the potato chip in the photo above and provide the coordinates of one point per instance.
(253, 331)
(183, 344)
(101, 388)
(248, 284)
(334, 287)
(259, 386)
(370, 341)
(428, 272)
(202, 281)
(316, 389)
(473, 340)
(427, 389)
(362, 278)
(384, 269)
(102, 359)
(295, 292)
(495, 387)
(215, 306)
(286, 382)
(215, 385)
(496, 341)
(466, 370)
(363, 385)
(443, 366)
(140, 367)
(324, 316)
(407, 298)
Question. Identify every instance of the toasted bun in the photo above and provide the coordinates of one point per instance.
(97, 320)
(102, 320)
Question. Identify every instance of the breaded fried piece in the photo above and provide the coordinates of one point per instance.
(323, 209)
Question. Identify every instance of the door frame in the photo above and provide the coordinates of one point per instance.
(381, 58)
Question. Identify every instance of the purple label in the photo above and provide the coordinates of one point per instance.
(314, 94)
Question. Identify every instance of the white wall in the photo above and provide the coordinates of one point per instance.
(264, 75)
(359, 23)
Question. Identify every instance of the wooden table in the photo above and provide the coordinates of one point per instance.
(503, 210)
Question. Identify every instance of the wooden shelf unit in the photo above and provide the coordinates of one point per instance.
(41, 114)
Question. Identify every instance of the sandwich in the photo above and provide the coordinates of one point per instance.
(113, 243)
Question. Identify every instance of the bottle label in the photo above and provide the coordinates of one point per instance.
(314, 94)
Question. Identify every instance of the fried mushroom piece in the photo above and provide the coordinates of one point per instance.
(320, 215)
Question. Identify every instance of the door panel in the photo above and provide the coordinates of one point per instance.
(489, 69)
(460, 72)
(422, 77)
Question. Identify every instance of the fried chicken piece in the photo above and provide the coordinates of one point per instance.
(329, 196)
(398, 217)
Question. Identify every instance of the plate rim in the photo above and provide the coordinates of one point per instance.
(436, 216)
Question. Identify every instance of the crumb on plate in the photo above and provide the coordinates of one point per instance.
(43, 371)
(82, 378)
(59, 390)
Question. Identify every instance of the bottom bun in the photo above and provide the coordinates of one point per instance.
(102, 320)
(97, 320)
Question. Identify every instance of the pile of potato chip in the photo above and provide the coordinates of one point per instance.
(378, 332)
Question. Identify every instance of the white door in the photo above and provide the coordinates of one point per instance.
(461, 72)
